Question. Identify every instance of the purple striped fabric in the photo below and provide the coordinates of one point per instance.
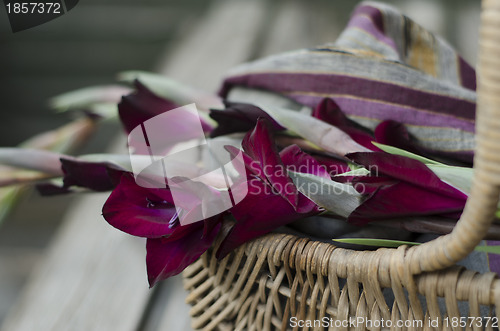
(400, 78)
(371, 20)
(297, 84)
(467, 74)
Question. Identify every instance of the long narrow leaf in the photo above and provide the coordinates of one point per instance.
(458, 177)
(338, 198)
(63, 140)
(488, 249)
(402, 152)
(322, 134)
(109, 94)
(32, 159)
(172, 90)
(8, 198)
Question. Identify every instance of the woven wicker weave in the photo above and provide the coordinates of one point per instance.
(264, 283)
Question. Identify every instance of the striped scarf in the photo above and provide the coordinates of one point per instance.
(383, 66)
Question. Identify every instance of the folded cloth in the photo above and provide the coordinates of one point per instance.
(383, 66)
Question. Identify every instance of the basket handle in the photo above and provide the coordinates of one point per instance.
(483, 200)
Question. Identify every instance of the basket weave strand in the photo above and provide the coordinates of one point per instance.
(331, 282)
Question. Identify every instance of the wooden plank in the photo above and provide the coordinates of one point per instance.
(226, 37)
(295, 26)
(92, 278)
(16, 263)
(298, 25)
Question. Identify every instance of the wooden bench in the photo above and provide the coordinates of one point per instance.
(93, 277)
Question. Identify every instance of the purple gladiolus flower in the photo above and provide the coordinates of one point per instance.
(151, 213)
(96, 176)
(272, 200)
(168, 256)
(402, 187)
(328, 111)
(142, 105)
(388, 132)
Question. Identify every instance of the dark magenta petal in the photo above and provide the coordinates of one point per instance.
(151, 128)
(49, 189)
(328, 111)
(139, 211)
(406, 170)
(370, 184)
(253, 167)
(167, 257)
(260, 146)
(296, 160)
(211, 224)
(261, 212)
(239, 117)
(141, 105)
(404, 199)
(97, 176)
(190, 193)
(333, 165)
(395, 134)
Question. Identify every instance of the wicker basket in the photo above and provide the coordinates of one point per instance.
(266, 282)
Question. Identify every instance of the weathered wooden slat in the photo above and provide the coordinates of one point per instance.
(92, 278)
(297, 25)
(226, 37)
(15, 265)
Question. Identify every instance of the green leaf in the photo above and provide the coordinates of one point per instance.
(488, 249)
(458, 177)
(402, 152)
(8, 198)
(375, 242)
(121, 160)
(31, 159)
(338, 198)
(326, 136)
(86, 97)
(105, 110)
(357, 171)
(172, 90)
